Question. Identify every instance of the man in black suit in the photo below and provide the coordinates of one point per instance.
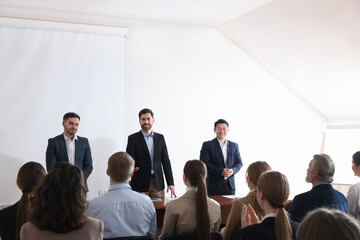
(320, 174)
(149, 151)
(69, 147)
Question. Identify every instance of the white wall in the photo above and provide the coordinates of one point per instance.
(191, 76)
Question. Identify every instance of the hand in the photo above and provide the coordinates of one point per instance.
(172, 189)
(254, 218)
(227, 172)
(248, 216)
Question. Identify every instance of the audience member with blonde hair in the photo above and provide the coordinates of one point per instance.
(328, 224)
(125, 213)
(194, 211)
(233, 221)
(13, 217)
(272, 193)
(320, 174)
(59, 209)
(353, 195)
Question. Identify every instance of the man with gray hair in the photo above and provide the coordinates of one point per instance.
(320, 174)
(124, 212)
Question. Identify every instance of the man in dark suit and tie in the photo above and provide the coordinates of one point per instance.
(149, 151)
(320, 174)
(69, 147)
(222, 159)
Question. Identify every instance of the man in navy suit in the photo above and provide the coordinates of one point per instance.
(222, 159)
(69, 147)
(149, 151)
(320, 173)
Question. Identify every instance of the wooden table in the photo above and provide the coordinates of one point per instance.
(160, 206)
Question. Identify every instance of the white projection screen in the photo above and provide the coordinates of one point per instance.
(46, 70)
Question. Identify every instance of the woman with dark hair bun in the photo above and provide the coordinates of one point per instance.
(60, 206)
(194, 211)
(272, 193)
(353, 195)
(13, 217)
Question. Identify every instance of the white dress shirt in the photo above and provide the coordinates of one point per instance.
(70, 148)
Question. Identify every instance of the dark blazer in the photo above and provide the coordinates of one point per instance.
(56, 151)
(8, 222)
(264, 230)
(323, 195)
(139, 151)
(212, 156)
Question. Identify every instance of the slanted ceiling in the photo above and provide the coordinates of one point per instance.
(311, 46)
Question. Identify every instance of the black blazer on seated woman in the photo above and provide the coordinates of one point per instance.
(8, 222)
(261, 231)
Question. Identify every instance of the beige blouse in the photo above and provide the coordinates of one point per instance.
(180, 215)
(93, 229)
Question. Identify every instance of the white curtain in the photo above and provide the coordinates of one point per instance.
(46, 70)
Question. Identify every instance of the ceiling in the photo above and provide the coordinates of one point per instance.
(311, 46)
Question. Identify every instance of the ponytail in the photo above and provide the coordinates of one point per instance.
(195, 171)
(202, 212)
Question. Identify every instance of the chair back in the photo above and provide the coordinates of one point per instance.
(192, 236)
(130, 238)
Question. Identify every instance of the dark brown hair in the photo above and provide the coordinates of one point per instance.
(196, 172)
(70, 115)
(120, 166)
(328, 224)
(145, 111)
(28, 178)
(61, 200)
(275, 188)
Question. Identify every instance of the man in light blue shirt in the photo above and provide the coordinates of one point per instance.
(124, 212)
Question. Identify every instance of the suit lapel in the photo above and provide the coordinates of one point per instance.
(63, 145)
(218, 149)
(229, 150)
(143, 143)
(77, 150)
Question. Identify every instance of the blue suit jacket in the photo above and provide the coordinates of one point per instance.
(212, 156)
(323, 195)
(56, 151)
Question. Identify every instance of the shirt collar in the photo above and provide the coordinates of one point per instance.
(66, 138)
(221, 142)
(191, 189)
(145, 135)
(319, 183)
(269, 215)
(119, 186)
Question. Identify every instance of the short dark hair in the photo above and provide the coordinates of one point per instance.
(356, 158)
(120, 166)
(70, 115)
(221, 121)
(145, 111)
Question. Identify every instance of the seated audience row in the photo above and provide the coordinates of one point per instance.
(57, 202)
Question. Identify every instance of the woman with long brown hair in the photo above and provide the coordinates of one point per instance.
(194, 211)
(60, 206)
(13, 217)
(233, 221)
(272, 193)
